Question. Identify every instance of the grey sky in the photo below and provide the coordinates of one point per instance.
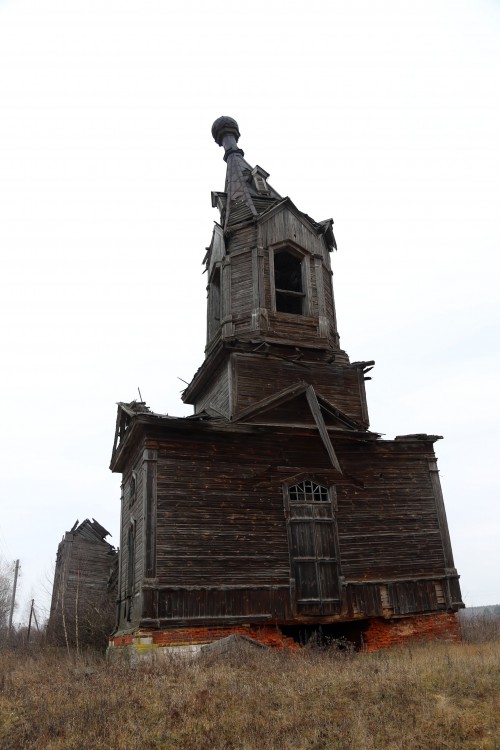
(384, 115)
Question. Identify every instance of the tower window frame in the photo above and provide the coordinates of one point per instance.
(259, 177)
(214, 302)
(289, 280)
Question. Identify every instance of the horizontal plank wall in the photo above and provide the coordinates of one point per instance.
(339, 385)
(221, 537)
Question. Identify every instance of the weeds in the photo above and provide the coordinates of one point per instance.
(482, 627)
(434, 696)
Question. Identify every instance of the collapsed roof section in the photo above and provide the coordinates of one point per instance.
(91, 531)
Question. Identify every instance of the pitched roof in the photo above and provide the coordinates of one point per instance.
(318, 407)
(247, 194)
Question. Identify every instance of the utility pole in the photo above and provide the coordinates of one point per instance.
(13, 600)
(32, 617)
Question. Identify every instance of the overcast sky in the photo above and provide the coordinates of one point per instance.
(384, 115)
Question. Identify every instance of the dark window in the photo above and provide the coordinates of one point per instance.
(308, 492)
(288, 284)
(260, 184)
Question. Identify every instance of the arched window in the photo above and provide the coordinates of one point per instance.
(288, 283)
(308, 492)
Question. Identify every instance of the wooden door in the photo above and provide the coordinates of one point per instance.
(313, 549)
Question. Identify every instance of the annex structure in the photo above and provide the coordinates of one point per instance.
(84, 588)
(274, 511)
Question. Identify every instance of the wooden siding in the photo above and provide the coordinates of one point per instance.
(339, 385)
(328, 296)
(267, 281)
(257, 604)
(285, 226)
(217, 394)
(242, 239)
(83, 596)
(215, 525)
(242, 288)
(312, 292)
(395, 512)
(132, 513)
(297, 411)
(222, 549)
(295, 329)
(395, 598)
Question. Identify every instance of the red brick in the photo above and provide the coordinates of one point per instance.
(396, 632)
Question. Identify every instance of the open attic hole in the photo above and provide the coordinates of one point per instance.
(340, 635)
(288, 284)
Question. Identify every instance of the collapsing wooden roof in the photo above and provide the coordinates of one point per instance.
(84, 590)
(91, 530)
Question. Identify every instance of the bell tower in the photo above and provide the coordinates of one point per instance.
(271, 322)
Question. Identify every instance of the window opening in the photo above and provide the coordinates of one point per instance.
(288, 283)
(260, 184)
(308, 492)
(260, 179)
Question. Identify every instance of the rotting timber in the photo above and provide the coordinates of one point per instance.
(274, 510)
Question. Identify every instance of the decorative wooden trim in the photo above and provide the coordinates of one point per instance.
(441, 517)
(227, 321)
(150, 458)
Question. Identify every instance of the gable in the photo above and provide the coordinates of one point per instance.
(292, 406)
(299, 406)
(286, 223)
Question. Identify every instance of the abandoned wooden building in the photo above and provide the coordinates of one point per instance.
(84, 589)
(274, 511)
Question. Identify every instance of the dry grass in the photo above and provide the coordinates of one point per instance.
(435, 696)
(480, 627)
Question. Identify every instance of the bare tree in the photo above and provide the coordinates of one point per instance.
(5, 593)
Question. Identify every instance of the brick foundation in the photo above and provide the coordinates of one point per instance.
(380, 633)
(143, 639)
(385, 633)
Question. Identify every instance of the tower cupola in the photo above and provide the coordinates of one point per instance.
(269, 287)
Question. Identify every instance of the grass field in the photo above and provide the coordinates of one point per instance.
(432, 696)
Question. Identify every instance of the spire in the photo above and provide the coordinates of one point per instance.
(247, 192)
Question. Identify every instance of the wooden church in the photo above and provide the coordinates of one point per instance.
(274, 511)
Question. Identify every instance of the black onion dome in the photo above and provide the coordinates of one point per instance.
(225, 126)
